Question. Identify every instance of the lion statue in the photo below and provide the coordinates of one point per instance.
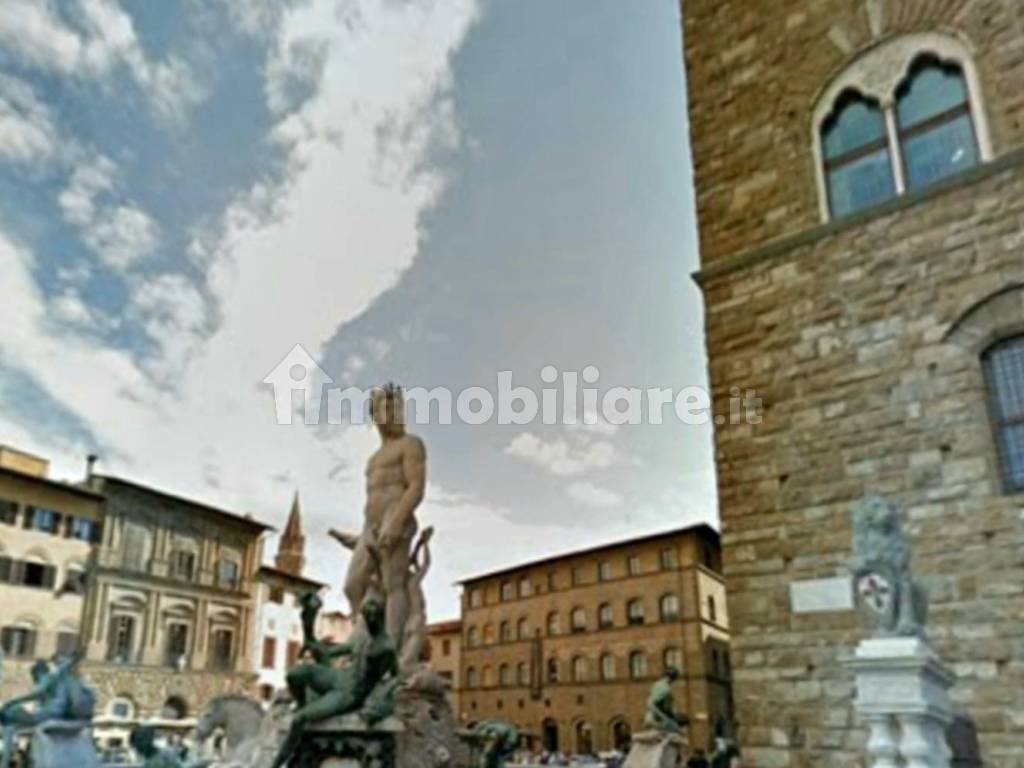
(881, 570)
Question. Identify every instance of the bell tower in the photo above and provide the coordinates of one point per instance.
(291, 552)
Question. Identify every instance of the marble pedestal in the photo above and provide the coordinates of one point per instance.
(903, 698)
(654, 749)
(63, 743)
(347, 742)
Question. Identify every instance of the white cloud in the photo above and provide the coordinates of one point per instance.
(592, 495)
(174, 315)
(118, 231)
(559, 457)
(69, 308)
(287, 265)
(27, 131)
(104, 40)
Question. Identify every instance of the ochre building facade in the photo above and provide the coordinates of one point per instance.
(443, 651)
(48, 532)
(859, 167)
(567, 648)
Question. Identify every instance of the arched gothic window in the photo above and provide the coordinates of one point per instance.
(902, 116)
(855, 146)
(936, 131)
(1004, 377)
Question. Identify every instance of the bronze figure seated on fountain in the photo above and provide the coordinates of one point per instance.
(322, 691)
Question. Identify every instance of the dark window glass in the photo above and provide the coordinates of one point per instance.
(18, 642)
(669, 559)
(8, 511)
(227, 574)
(605, 616)
(552, 670)
(858, 167)
(84, 530)
(638, 665)
(669, 606)
(222, 643)
(635, 612)
(38, 575)
(177, 644)
(183, 565)
(934, 116)
(1004, 374)
(42, 519)
(121, 643)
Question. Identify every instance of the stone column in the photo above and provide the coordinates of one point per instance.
(883, 750)
(903, 697)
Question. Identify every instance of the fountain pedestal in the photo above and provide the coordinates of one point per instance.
(347, 742)
(63, 743)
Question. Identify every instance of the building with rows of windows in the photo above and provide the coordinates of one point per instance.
(170, 610)
(443, 652)
(859, 167)
(161, 592)
(47, 533)
(568, 647)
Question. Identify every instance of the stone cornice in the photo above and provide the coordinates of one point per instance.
(781, 248)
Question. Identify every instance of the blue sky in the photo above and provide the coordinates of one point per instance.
(430, 192)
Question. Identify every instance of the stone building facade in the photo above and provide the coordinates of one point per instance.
(48, 531)
(170, 613)
(567, 648)
(860, 190)
(443, 651)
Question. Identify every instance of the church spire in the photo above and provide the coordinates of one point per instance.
(291, 552)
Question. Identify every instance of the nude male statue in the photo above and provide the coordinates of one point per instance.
(396, 477)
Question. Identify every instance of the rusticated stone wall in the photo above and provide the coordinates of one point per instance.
(853, 335)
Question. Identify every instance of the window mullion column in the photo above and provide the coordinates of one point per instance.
(895, 150)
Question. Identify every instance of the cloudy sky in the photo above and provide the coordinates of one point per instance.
(429, 191)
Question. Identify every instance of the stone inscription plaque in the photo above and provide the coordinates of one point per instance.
(821, 595)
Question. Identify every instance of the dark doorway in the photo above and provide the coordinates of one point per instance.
(550, 736)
